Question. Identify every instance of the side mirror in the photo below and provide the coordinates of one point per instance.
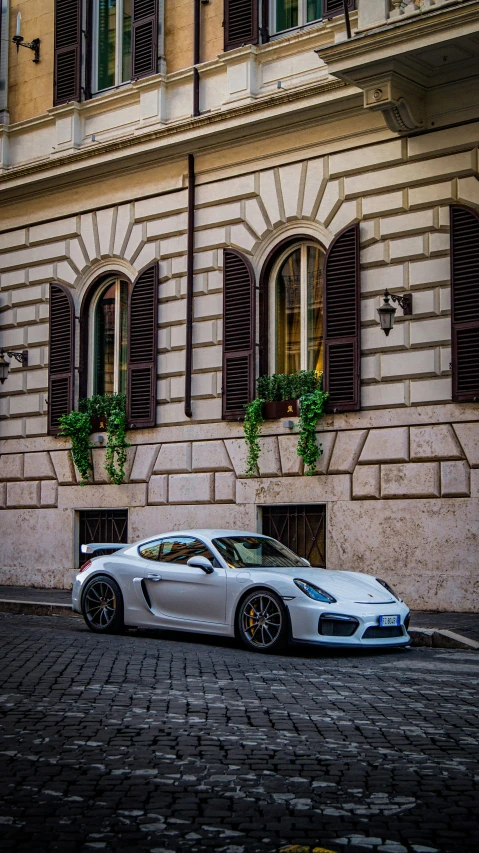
(201, 563)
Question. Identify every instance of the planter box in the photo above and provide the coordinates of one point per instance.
(98, 424)
(276, 409)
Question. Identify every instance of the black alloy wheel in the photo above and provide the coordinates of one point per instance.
(102, 605)
(262, 622)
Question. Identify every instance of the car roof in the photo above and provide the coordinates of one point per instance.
(206, 532)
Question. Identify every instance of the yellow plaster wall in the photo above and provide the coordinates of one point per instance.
(31, 85)
(179, 32)
(212, 33)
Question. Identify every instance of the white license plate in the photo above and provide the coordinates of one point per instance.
(388, 621)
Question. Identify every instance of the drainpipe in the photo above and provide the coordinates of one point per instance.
(346, 18)
(196, 57)
(4, 30)
(189, 283)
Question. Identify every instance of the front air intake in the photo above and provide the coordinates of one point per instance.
(332, 625)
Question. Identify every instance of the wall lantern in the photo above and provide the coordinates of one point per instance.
(387, 312)
(32, 45)
(22, 357)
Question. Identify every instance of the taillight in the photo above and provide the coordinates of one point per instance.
(85, 565)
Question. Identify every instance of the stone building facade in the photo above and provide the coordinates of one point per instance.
(298, 138)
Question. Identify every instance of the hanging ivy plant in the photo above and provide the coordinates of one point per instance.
(78, 426)
(311, 410)
(252, 427)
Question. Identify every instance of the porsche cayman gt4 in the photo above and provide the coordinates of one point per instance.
(235, 583)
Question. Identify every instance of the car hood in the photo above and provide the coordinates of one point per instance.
(345, 586)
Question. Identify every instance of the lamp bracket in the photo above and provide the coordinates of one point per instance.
(404, 301)
(32, 45)
(21, 356)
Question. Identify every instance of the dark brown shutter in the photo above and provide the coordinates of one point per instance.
(144, 54)
(61, 358)
(142, 349)
(67, 71)
(241, 23)
(342, 343)
(465, 303)
(238, 334)
(336, 7)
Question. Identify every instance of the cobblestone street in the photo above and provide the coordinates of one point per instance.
(157, 742)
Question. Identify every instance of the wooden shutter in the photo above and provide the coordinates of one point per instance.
(342, 343)
(238, 334)
(144, 54)
(61, 358)
(142, 349)
(67, 60)
(240, 23)
(336, 7)
(465, 303)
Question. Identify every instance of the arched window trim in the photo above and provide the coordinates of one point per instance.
(102, 286)
(302, 244)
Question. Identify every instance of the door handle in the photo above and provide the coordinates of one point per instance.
(154, 577)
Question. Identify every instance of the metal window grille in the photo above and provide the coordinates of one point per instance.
(301, 528)
(102, 525)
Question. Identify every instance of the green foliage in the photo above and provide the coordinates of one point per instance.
(78, 426)
(311, 409)
(252, 425)
(288, 386)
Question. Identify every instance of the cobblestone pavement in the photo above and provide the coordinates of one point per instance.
(158, 742)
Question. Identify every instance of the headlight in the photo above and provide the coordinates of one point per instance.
(389, 589)
(313, 591)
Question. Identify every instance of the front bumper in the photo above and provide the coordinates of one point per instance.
(305, 617)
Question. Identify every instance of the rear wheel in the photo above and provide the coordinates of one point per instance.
(102, 605)
(261, 621)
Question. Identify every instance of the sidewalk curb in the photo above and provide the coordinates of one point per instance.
(440, 639)
(35, 608)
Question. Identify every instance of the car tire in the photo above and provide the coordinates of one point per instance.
(262, 621)
(102, 605)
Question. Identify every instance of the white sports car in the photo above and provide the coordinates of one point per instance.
(231, 582)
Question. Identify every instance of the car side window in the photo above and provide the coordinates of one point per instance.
(150, 551)
(180, 549)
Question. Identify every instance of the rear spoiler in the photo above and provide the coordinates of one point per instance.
(99, 549)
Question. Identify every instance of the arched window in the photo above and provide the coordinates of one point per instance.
(108, 334)
(296, 310)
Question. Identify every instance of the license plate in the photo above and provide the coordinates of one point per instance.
(388, 621)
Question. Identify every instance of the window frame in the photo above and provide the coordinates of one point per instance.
(303, 244)
(92, 336)
(302, 18)
(93, 36)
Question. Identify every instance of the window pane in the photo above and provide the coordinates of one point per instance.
(150, 551)
(255, 552)
(288, 315)
(106, 43)
(105, 342)
(314, 10)
(126, 47)
(123, 342)
(286, 14)
(315, 309)
(180, 549)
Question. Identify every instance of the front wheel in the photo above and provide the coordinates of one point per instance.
(102, 605)
(261, 621)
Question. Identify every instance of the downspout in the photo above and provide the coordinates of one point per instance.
(196, 57)
(4, 35)
(189, 283)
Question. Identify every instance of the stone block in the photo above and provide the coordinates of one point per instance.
(331, 201)
(410, 363)
(474, 482)
(432, 271)
(439, 243)
(158, 490)
(347, 449)
(3, 495)
(468, 435)
(433, 331)
(431, 391)
(170, 363)
(221, 191)
(63, 465)
(374, 339)
(384, 203)
(386, 445)
(13, 239)
(37, 380)
(366, 481)
(36, 426)
(455, 479)
(290, 490)
(107, 496)
(315, 183)
(208, 306)
(98, 455)
(225, 488)
(395, 226)
(191, 488)
(291, 463)
(407, 174)
(145, 458)
(210, 456)
(326, 440)
(269, 459)
(376, 280)
(434, 442)
(204, 333)
(441, 193)
(11, 466)
(38, 466)
(384, 395)
(161, 205)
(172, 312)
(27, 314)
(38, 334)
(49, 493)
(416, 480)
(377, 253)
(203, 385)
(407, 248)
(23, 494)
(207, 358)
(173, 458)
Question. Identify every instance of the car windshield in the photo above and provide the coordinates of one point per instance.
(255, 552)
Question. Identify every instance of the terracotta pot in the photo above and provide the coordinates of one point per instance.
(276, 409)
(98, 424)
